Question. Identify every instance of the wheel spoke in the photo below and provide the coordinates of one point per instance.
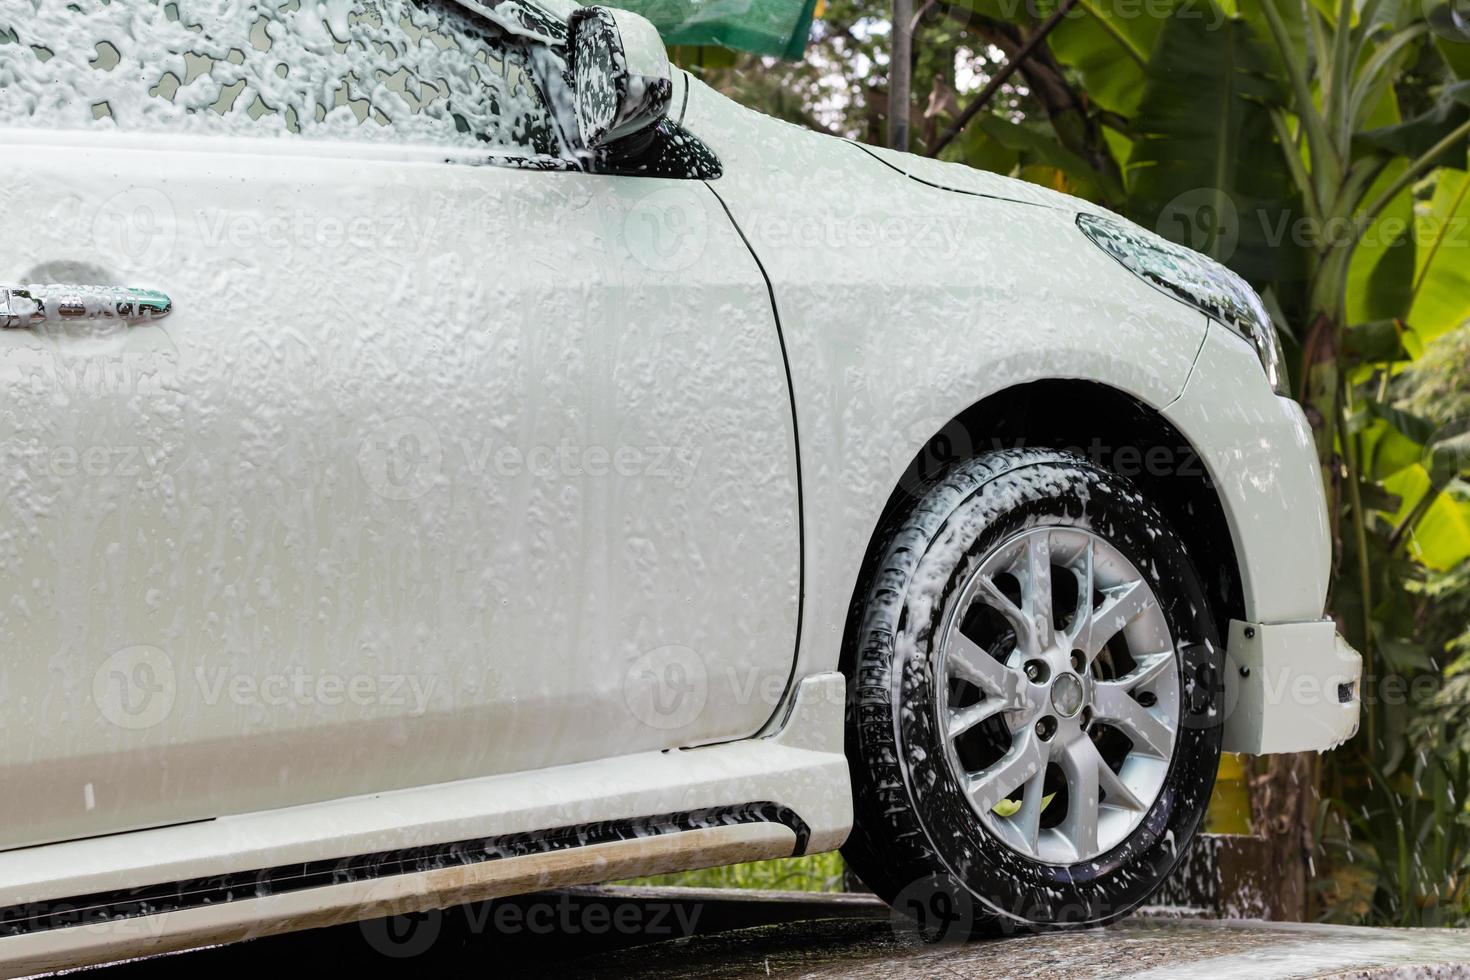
(1036, 585)
(1113, 705)
(1121, 605)
(1080, 762)
(1001, 603)
(1026, 758)
(1027, 820)
(1148, 669)
(967, 660)
(1116, 792)
(1082, 617)
(967, 718)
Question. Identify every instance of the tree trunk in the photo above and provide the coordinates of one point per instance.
(1283, 810)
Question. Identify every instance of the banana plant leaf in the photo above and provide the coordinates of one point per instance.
(1206, 170)
(1441, 539)
(1380, 284)
(1415, 137)
(1441, 295)
(1109, 43)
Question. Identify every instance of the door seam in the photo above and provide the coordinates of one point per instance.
(786, 694)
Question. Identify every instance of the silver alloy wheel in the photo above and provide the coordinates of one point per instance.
(1056, 685)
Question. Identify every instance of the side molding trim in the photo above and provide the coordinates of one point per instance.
(91, 910)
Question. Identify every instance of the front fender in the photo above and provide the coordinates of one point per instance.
(902, 304)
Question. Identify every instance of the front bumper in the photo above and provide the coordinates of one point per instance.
(1290, 687)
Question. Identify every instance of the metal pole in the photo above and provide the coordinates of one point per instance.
(900, 74)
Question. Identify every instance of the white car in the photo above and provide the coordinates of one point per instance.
(450, 453)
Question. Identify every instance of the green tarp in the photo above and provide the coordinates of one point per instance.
(770, 27)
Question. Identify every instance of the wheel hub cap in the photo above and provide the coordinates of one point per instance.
(1058, 694)
(1066, 695)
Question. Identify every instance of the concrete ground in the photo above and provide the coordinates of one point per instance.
(666, 933)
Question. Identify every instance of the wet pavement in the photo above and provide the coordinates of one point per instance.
(653, 934)
(1138, 948)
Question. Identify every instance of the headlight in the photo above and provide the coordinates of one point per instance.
(1194, 279)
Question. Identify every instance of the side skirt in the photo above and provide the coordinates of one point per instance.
(237, 877)
(398, 894)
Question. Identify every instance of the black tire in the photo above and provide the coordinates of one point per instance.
(917, 841)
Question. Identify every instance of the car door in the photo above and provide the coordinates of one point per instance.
(447, 461)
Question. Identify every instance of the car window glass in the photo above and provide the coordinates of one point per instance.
(418, 71)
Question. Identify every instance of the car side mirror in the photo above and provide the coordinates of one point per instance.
(620, 74)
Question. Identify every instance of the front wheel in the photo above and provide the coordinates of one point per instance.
(1033, 726)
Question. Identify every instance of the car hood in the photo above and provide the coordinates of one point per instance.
(967, 180)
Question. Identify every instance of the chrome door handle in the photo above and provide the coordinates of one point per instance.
(24, 306)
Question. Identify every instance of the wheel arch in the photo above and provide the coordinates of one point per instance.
(1114, 429)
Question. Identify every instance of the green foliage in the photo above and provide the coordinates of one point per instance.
(1411, 834)
(1440, 298)
(813, 873)
(1203, 139)
(1108, 45)
(1034, 143)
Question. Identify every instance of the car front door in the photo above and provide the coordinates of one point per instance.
(448, 460)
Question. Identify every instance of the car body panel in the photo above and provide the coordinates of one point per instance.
(440, 497)
(1259, 453)
(801, 767)
(901, 305)
(968, 180)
